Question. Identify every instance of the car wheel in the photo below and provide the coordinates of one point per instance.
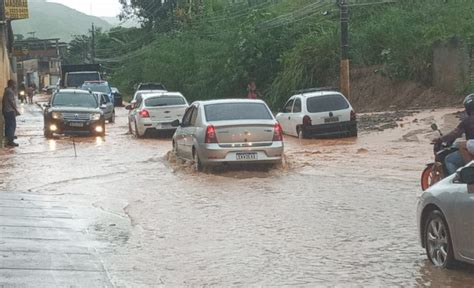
(175, 148)
(112, 119)
(300, 132)
(48, 134)
(197, 164)
(136, 133)
(353, 132)
(439, 248)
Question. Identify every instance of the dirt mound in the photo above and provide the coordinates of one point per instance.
(371, 91)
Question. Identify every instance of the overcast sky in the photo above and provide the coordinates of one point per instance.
(93, 7)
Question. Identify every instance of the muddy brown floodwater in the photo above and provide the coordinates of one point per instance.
(336, 213)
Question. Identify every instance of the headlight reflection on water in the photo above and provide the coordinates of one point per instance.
(52, 145)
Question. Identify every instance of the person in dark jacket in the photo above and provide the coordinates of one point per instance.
(10, 111)
(455, 160)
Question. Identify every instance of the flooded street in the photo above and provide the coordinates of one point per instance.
(126, 213)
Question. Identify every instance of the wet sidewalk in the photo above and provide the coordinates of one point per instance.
(42, 241)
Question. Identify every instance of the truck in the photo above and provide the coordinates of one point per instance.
(73, 76)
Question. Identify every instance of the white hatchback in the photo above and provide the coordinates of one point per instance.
(316, 112)
(155, 112)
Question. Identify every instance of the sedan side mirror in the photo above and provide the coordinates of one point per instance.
(175, 123)
(466, 175)
(47, 105)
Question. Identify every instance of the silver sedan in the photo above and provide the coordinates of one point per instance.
(446, 219)
(228, 131)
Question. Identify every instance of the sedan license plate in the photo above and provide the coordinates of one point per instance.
(247, 156)
(76, 124)
(331, 119)
(163, 125)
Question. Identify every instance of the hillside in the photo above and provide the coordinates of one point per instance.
(53, 20)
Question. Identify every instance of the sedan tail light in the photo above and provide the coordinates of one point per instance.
(144, 113)
(277, 133)
(211, 136)
(353, 115)
(307, 121)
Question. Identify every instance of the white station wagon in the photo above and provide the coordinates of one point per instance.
(318, 112)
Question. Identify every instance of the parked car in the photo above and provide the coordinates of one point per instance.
(446, 220)
(151, 86)
(228, 131)
(73, 111)
(118, 101)
(101, 87)
(318, 112)
(49, 89)
(106, 106)
(155, 112)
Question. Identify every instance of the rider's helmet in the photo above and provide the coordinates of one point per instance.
(469, 104)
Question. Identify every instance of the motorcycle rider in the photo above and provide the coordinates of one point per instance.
(22, 92)
(455, 160)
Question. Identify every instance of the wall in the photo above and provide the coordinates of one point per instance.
(5, 74)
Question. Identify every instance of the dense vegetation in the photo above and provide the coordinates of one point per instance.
(213, 48)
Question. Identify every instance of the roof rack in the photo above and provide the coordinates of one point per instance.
(319, 89)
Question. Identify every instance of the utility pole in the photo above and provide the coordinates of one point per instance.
(345, 78)
(93, 44)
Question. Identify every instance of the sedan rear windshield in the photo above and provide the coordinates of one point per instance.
(75, 100)
(164, 101)
(326, 103)
(237, 111)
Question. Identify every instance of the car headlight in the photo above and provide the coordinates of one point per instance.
(95, 116)
(56, 115)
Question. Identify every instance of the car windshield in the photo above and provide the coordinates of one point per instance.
(168, 100)
(237, 111)
(326, 103)
(102, 88)
(74, 100)
(138, 94)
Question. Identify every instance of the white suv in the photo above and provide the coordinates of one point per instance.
(318, 112)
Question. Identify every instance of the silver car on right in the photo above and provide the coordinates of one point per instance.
(228, 132)
(446, 219)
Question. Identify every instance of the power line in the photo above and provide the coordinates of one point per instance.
(300, 12)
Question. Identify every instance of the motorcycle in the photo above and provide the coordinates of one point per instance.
(436, 170)
(22, 96)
